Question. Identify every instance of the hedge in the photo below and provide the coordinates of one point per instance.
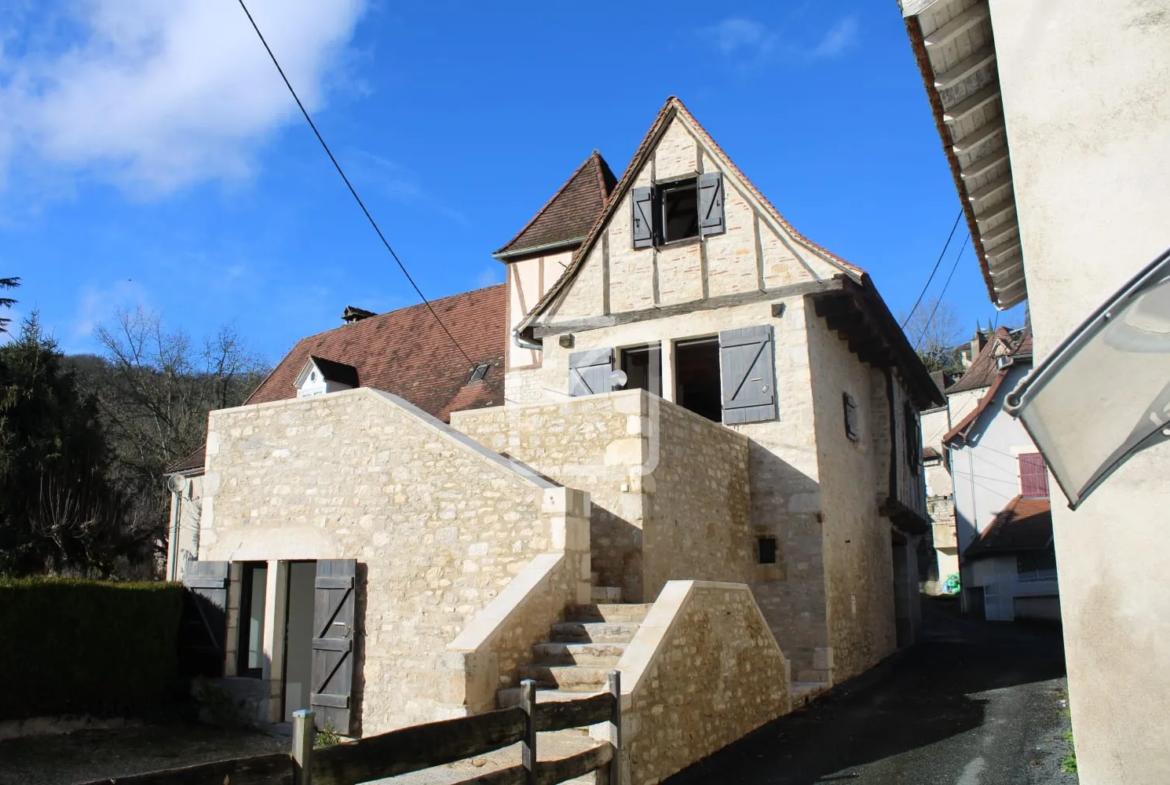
(87, 647)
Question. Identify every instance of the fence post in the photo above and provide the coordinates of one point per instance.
(615, 765)
(304, 734)
(528, 703)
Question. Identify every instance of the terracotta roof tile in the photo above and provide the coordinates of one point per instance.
(983, 368)
(568, 215)
(189, 463)
(1023, 525)
(406, 352)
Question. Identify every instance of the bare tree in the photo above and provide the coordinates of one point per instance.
(934, 331)
(155, 392)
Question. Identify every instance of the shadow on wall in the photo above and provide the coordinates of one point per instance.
(913, 701)
(361, 592)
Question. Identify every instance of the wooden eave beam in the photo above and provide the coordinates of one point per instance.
(996, 210)
(987, 189)
(960, 24)
(993, 237)
(985, 164)
(980, 135)
(972, 103)
(962, 70)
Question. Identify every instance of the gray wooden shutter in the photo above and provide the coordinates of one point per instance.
(711, 204)
(203, 634)
(643, 218)
(333, 644)
(749, 380)
(589, 372)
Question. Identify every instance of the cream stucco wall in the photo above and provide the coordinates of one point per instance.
(183, 537)
(1086, 95)
(528, 279)
(439, 526)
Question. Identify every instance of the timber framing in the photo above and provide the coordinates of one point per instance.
(710, 304)
(859, 316)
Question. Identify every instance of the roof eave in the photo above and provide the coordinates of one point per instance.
(999, 261)
(508, 256)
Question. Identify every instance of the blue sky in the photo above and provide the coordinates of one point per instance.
(150, 156)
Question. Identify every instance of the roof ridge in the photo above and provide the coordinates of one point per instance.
(593, 158)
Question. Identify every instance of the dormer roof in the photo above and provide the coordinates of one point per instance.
(567, 217)
(330, 371)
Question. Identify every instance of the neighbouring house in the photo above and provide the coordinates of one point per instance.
(941, 567)
(1053, 119)
(1002, 515)
(706, 449)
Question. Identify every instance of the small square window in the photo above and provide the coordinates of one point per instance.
(767, 550)
(478, 372)
(680, 210)
(852, 431)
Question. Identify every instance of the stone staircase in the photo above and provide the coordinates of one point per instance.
(581, 650)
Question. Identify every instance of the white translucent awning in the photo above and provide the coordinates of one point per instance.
(1104, 393)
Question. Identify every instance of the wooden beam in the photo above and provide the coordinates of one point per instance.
(996, 210)
(980, 135)
(993, 237)
(559, 715)
(987, 189)
(710, 304)
(972, 103)
(985, 164)
(960, 24)
(962, 70)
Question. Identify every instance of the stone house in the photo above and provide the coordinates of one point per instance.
(683, 433)
(1053, 120)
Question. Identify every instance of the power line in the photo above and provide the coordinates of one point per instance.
(954, 267)
(935, 270)
(349, 185)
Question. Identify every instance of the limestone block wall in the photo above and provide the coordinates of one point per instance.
(703, 671)
(591, 443)
(486, 655)
(782, 456)
(439, 526)
(857, 539)
(698, 521)
(669, 489)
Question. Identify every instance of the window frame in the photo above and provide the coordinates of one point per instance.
(244, 627)
(913, 436)
(659, 199)
(648, 349)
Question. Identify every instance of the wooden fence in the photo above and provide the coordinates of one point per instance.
(422, 747)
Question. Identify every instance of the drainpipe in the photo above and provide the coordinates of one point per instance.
(524, 343)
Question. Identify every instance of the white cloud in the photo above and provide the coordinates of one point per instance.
(750, 44)
(840, 37)
(97, 304)
(155, 95)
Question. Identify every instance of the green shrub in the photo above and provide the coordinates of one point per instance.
(87, 647)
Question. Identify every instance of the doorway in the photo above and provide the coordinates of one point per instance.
(298, 638)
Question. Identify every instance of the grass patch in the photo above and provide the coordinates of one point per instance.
(1069, 763)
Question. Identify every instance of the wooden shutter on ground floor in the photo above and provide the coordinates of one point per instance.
(748, 376)
(589, 372)
(711, 204)
(203, 635)
(334, 634)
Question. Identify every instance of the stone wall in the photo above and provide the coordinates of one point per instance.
(588, 443)
(698, 524)
(702, 672)
(858, 562)
(439, 525)
(669, 489)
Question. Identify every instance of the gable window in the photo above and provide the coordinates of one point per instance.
(643, 368)
(913, 436)
(1033, 476)
(678, 210)
(852, 431)
(478, 372)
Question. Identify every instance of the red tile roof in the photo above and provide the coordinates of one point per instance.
(566, 218)
(406, 352)
(983, 369)
(1023, 525)
(985, 372)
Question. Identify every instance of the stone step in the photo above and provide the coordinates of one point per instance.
(606, 593)
(594, 655)
(510, 696)
(565, 677)
(593, 632)
(619, 612)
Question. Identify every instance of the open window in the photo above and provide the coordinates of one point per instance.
(678, 210)
(643, 368)
(696, 377)
(913, 436)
